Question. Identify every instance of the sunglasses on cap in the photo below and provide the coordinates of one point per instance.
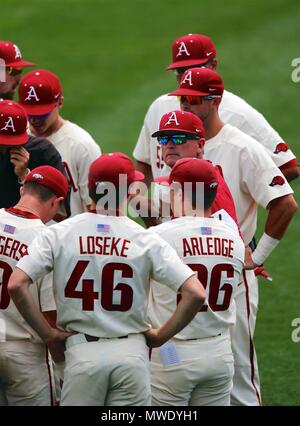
(175, 139)
(196, 100)
(13, 71)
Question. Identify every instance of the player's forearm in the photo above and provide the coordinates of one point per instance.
(290, 173)
(192, 298)
(146, 170)
(18, 288)
(281, 211)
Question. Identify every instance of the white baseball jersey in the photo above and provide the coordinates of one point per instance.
(250, 173)
(216, 253)
(78, 150)
(233, 110)
(102, 267)
(16, 233)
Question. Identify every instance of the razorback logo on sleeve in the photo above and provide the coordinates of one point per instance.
(281, 147)
(277, 180)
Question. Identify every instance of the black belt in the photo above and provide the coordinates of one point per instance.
(95, 339)
(200, 338)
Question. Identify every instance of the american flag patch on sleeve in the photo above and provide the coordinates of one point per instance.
(103, 227)
(205, 230)
(9, 229)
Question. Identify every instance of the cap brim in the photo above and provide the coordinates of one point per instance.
(14, 140)
(20, 64)
(183, 92)
(163, 180)
(188, 63)
(38, 109)
(171, 131)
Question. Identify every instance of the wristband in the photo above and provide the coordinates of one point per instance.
(264, 248)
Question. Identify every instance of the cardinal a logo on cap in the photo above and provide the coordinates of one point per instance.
(172, 119)
(188, 77)
(17, 52)
(182, 50)
(32, 94)
(9, 125)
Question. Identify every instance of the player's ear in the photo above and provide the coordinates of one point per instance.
(217, 102)
(60, 101)
(200, 149)
(58, 200)
(214, 63)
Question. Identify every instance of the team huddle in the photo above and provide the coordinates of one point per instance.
(96, 309)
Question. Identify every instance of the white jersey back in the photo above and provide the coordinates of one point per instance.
(233, 110)
(250, 173)
(16, 233)
(78, 150)
(102, 267)
(215, 252)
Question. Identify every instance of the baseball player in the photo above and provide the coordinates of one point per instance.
(102, 265)
(11, 59)
(253, 179)
(198, 50)
(196, 366)
(181, 135)
(20, 152)
(40, 93)
(25, 370)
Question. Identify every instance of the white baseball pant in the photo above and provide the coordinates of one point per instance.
(246, 385)
(107, 372)
(203, 377)
(25, 374)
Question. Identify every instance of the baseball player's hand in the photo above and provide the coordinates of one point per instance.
(56, 344)
(249, 264)
(19, 157)
(152, 338)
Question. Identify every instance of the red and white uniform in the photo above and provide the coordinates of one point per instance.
(215, 252)
(78, 150)
(254, 180)
(233, 110)
(24, 366)
(102, 267)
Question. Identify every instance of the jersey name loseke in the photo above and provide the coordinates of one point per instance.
(105, 246)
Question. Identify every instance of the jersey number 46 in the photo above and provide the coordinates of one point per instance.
(88, 295)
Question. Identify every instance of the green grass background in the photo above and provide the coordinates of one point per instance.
(111, 55)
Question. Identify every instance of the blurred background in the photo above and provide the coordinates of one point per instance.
(111, 56)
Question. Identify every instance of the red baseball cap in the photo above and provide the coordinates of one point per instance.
(191, 170)
(39, 91)
(13, 124)
(50, 177)
(180, 122)
(11, 55)
(190, 50)
(200, 82)
(108, 167)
